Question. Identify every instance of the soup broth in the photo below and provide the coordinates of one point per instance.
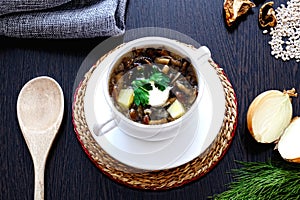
(153, 85)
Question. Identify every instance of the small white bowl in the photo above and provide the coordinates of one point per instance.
(197, 58)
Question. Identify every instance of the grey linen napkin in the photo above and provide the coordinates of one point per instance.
(62, 18)
(9, 6)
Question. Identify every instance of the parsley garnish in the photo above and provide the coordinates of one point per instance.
(142, 87)
(160, 80)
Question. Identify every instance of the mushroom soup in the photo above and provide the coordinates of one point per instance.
(153, 85)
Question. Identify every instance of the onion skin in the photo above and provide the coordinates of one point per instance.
(295, 160)
(251, 111)
(263, 130)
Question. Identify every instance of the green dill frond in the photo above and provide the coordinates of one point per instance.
(263, 181)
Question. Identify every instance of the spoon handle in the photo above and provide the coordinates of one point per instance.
(39, 170)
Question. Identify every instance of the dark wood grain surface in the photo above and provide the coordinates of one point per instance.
(243, 52)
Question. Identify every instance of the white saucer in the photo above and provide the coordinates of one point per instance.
(162, 154)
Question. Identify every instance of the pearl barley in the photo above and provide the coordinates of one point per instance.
(285, 42)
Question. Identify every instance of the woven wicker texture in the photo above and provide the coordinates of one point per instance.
(161, 179)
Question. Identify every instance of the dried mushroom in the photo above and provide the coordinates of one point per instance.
(236, 8)
(267, 17)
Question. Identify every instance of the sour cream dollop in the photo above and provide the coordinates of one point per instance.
(158, 97)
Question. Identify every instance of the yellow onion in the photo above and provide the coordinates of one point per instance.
(269, 114)
(288, 144)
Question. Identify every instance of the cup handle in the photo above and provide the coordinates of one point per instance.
(203, 54)
(101, 129)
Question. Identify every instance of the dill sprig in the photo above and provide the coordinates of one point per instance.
(264, 180)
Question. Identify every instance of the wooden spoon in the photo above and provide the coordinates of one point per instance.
(40, 108)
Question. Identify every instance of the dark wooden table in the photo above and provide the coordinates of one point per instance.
(243, 52)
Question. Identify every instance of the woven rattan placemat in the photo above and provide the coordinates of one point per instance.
(161, 179)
